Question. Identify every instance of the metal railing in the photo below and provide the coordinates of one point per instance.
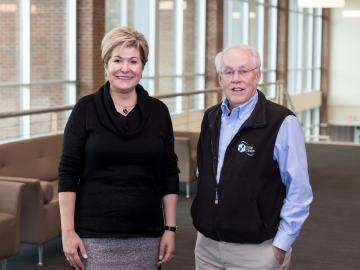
(193, 104)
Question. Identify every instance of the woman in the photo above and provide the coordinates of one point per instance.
(118, 172)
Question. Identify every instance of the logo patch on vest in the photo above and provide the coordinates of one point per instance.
(244, 147)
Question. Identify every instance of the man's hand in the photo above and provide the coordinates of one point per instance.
(279, 254)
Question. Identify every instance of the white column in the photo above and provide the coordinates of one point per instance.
(227, 23)
(299, 50)
(244, 16)
(124, 12)
(70, 39)
(315, 122)
(178, 14)
(145, 22)
(272, 39)
(24, 65)
(307, 124)
(200, 27)
(260, 29)
(309, 51)
(317, 49)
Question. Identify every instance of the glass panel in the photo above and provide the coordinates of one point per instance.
(9, 101)
(47, 40)
(255, 23)
(304, 49)
(9, 129)
(166, 47)
(175, 31)
(9, 43)
(37, 52)
(236, 22)
(47, 96)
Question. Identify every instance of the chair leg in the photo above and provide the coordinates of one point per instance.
(40, 254)
(3, 264)
(187, 190)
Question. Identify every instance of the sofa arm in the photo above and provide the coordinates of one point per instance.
(10, 208)
(18, 179)
(47, 191)
(183, 151)
(10, 193)
(42, 187)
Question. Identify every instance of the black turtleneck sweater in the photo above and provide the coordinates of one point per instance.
(119, 166)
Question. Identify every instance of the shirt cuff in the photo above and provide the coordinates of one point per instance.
(283, 240)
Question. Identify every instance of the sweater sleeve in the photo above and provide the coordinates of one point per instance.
(71, 162)
(169, 172)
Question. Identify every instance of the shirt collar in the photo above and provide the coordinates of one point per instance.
(241, 109)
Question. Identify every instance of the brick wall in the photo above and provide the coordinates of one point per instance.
(8, 64)
(8, 53)
(90, 31)
(48, 57)
(8, 41)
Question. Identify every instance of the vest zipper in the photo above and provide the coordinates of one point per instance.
(216, 195)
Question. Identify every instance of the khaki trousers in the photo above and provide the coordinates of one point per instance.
(215, 255)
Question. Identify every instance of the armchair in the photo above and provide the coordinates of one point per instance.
(34, 162)
(10, 198)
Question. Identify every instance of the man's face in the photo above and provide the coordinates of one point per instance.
(239, 76)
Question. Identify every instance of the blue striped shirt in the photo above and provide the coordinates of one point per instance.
(289, 152)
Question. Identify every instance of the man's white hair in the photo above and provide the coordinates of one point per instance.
(254, 53)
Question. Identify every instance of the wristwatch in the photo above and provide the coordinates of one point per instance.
(170, 228)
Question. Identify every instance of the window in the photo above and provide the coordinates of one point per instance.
(38, 61)
(175, 31)
(254, 23)
(304, 61)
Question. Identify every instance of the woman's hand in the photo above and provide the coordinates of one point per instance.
(167, 247)
(72, 244)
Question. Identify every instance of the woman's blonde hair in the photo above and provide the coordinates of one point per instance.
(124, 37)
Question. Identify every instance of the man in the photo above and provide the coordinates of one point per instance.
(253, 189)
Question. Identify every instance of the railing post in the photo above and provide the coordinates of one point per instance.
(54, 122)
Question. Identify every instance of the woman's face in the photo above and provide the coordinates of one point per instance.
(124, 69)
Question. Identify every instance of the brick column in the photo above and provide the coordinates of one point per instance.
(282, 42)
(325, 55)
(90, 31)
(214, 39)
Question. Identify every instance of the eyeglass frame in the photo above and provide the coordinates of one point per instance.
(244, 73)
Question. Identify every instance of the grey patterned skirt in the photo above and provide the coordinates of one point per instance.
(124, 254)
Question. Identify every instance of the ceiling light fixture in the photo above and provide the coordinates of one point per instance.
(354, 13)
(321, 3)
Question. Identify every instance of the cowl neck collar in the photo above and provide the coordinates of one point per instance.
(124, 126)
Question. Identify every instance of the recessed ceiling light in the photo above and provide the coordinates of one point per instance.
(235, 15)
(321, 3)
(355, 13)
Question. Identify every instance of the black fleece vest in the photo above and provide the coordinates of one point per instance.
(250, 192)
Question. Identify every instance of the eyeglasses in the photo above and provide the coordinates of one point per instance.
(230, 73)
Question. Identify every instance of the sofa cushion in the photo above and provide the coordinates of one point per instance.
(47, 191)
(32, 158)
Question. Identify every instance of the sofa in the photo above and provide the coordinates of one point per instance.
(35, 162)
(185, 149)
(10, 200)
